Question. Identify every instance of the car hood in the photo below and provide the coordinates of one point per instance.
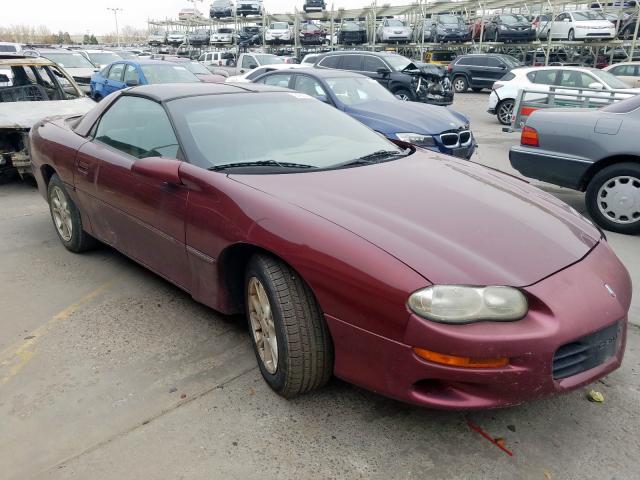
(27, 114)
(452, 221)
(411, 117)
(80, 72)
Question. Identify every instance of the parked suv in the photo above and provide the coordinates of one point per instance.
(404, 78)
(314, 5)
(478, 71)
(221, 9)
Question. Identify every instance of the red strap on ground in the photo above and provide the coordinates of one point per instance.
(476, 428)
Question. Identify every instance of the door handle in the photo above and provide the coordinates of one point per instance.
(83, 167)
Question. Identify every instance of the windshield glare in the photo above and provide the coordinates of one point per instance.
(354, 90)
(582, 16)
(397, 62)
(168, 74)
(268, 59)
(279, 26)
(395, 23)
(213, 129)
(197, 68)
(513, 19)
(225, 30)
(610, 79)
(69, 60)
(450, 19)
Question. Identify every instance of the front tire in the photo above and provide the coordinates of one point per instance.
(571, 36)
(66, 218)
(289, 335)
(613, 198)
(504, 111)
(403, 94)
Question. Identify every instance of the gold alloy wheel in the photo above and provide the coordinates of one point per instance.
(262, 326)
(61, 213)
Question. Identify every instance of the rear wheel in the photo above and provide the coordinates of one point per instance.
(66, 218)
(613, 198)
(572, 35)
(290, 337)
(504, 111)
(460, 84)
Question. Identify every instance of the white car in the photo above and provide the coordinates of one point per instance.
(505, 91)
(176, 38)
(74, 63)
(256, 72)
(100, 58)
(628, 72)
(393, 30)
(580, 25)
(223, 36)
(278, 32)
(309, 59)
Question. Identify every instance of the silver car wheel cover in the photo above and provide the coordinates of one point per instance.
(61, 214)
(505, 112)
(619, 199)
(262, 325)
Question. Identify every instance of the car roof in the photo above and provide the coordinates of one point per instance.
(165, 92)
(14, 60)
(360, 52)
(325, 73)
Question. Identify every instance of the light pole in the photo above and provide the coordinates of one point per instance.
(115, 14)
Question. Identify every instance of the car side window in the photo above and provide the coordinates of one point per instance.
(115, 73)
(479, 61)
(256, 73)
(352, 62)
(247, 61)
(309, 85)
(545, 77)
(278, 80)
(138, 127)
(130, 74)
(576, 79)
(329, 62)
(493, 62)
(372, 64)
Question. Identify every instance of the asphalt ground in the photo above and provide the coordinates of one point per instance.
(107, 371)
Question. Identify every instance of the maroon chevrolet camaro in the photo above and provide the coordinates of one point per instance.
(423, 277)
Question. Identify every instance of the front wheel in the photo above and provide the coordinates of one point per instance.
(613, 198)
(572, 35)
(403, 94)
(504, 111)
(66, 218)
(289, 335)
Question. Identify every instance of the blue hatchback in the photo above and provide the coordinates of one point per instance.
(429, 126)
(128, 73)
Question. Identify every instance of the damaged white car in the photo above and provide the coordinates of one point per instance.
(31, 89)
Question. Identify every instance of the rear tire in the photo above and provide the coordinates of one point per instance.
(289, 335)
(613, 198)
(571, 36)
(66, 218)
(403, 94)
(504, 111)
(460, 84)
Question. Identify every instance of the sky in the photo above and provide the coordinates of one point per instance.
(82, 16)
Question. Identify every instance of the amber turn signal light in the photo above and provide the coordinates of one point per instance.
(464, 362)
(529, 136)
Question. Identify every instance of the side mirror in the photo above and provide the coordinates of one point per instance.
(132, 83)
(252, 66)
(383, 71)
(166, 170)
(596, 86)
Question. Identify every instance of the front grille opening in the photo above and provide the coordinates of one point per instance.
(449, 139)
(465, 137)
(586, 352)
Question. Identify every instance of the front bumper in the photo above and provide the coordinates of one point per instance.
(494, 99)
(454, 36)
(564, 307)
(524, 35)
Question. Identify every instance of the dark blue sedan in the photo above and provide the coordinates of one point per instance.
(129, 73)
(428, 126)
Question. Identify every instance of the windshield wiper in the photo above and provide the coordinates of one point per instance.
(373, 158)
(259, 163)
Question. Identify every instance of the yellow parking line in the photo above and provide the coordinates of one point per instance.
(18, 355)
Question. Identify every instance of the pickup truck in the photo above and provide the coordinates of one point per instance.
(249, 61)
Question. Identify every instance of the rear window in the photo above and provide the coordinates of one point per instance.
(8, 48)
(330, 62)
(624, 106)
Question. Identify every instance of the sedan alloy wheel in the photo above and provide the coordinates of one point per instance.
(61, 214)
(262, 326)
(505, 112)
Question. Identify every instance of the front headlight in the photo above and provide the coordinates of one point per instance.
(417, 139)
(502, 27)
(458, 304)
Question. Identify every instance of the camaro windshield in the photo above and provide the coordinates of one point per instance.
(214, 131)
(69, 60)
(170, 73)
(356, 90)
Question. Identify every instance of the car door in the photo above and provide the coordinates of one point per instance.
(479, 76)
(351, 62)
(495, 69)
(140, 216)
(131, 76)
(248, 63)
(561, 26)
(114, 81)
(370, 67)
